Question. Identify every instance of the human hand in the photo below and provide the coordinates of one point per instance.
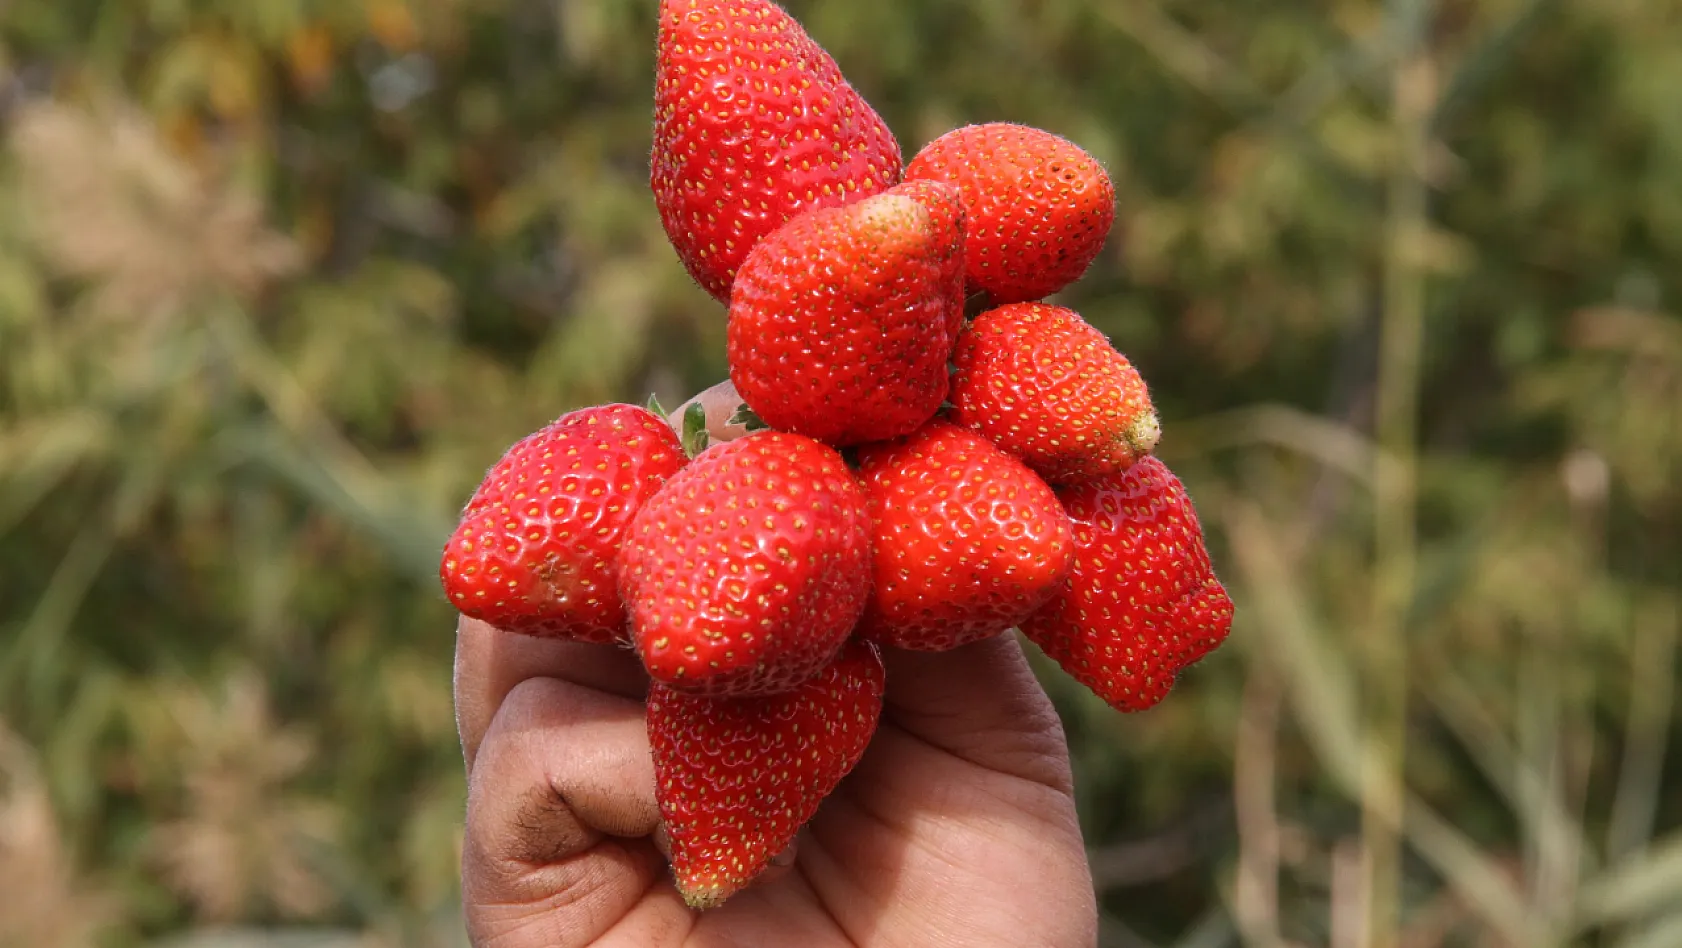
(956, 828)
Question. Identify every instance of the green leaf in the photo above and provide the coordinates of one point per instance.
(654, 406)
(745, 417)
(695, 439)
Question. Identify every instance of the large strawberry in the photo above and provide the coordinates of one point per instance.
(1041, 383)
(736, 778)
(746, 572)
(536, 546)
(1142, 602)
(841, 322)
(968, 541)
(753, 123)
(1040, 207)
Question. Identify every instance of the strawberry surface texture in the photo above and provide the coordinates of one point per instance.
(967, 541)
(536, 547)
(747, 571)
(1040, 207)
(1044, 385)
(753, 123)
(1142, 602)
(736, 778)
(841, 322)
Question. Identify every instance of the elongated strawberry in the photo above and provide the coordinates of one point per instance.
(968, 542)
(536, 546)
(1040, 207)
(753, 123)
(1041, 383)
(736, 778)
(1142, 602)
(746, 572)
(841, 322)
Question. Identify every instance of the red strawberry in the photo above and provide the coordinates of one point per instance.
(746, 572)
(841, 322)
(535, 549)
(753, 123)
(736, 778)
(968, 541)
(1143, 601)
(1041, 383)
(1040, 208)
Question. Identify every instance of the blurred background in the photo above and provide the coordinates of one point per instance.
(279, 279)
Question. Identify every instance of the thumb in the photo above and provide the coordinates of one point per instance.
(980, 702)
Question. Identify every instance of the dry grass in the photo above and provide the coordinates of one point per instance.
(110, 204)
(240, 842)
(50, 902)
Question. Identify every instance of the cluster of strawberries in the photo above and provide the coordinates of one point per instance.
(997, 472)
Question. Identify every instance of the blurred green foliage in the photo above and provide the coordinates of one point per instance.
(280, 278)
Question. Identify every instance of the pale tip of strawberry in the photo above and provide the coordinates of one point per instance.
(703, 897)
(889, 212)
(1143, 434)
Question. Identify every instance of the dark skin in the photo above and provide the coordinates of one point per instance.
(957, 828)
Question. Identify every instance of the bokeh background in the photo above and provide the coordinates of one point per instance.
(279, 279)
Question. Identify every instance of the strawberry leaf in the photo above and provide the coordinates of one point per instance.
(745, 417)
(695, 439)
(654, 406)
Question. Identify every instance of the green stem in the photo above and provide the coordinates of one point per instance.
(1395, 482)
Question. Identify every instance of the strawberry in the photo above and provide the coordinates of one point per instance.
(841, 322)
(1142, 602)
(746, 572)
(736, 778)
(1044, 385)
(753, 123)
(536, 546)
(1040, 207)
(968, 542)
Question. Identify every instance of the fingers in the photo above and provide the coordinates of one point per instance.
(558, 803)
(491, 662)
(980, 702)
(564, 845)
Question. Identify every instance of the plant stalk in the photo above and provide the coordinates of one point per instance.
(1413, 95)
